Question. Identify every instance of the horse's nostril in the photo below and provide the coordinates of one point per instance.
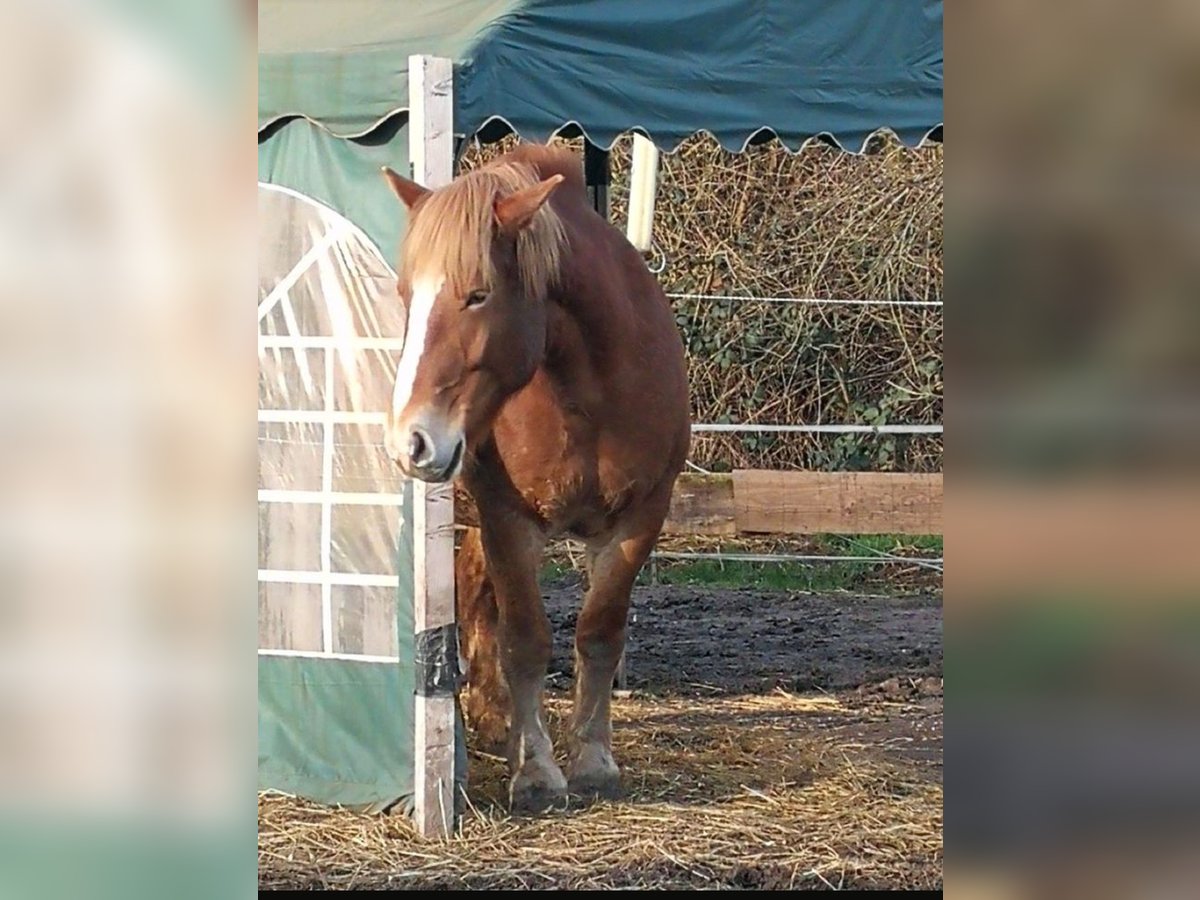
(420, 447)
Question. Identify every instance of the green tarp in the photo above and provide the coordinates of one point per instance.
(797, 68)
(342, 174)
(340, 731)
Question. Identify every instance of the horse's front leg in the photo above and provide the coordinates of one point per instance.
(613, 564)
(513, 549)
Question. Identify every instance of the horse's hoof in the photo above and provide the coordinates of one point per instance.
(596, 785)
(537, 791)
(531, 798)
(594, 773)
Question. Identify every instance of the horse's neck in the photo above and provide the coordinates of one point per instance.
(572, 361)
(589, 322)
(579, 350)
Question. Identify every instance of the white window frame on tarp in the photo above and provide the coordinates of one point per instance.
(334, 346)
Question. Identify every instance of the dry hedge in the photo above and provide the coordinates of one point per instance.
(819, 223)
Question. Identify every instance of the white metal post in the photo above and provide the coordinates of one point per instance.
(431, 148)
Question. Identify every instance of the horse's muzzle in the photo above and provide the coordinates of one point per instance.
(427, 452)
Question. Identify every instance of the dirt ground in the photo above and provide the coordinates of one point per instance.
(879, 656)
(689, 639)
(770, 740)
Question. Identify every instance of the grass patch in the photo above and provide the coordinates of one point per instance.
(790, 575)
(782, 576)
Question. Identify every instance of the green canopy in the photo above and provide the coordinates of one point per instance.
(735, 68)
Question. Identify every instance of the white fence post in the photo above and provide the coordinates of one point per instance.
(431, 148)
(643, 185)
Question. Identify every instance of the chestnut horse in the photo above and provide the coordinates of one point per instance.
(541, 368)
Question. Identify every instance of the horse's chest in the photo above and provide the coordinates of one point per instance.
(566, 476)
(573, 503)
(565, 483)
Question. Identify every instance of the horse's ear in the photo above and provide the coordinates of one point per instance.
(515, 211)
(408, 191)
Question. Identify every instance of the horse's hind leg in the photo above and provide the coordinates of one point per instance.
(599, 641)
(486, 701)
(514, 551)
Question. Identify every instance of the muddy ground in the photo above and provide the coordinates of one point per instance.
(694, 640)
(879, 656)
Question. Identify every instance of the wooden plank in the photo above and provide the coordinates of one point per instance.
(431, 148)
(837, 502)
(433, 606)
(431, 119)
(701, 504)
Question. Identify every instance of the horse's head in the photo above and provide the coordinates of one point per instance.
(477, 262)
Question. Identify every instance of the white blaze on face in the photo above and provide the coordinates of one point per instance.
(424, 293)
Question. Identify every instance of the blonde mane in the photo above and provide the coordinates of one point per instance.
(451, 233)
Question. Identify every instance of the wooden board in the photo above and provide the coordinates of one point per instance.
(433, 606)
(702, 504)
(431, 148)
(766, 502)
(837, 502)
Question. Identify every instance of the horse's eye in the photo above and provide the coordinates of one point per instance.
(476, 298)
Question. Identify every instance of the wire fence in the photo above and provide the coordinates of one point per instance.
(814, 301)
(752, 428)
(936, 564)
(925, 562)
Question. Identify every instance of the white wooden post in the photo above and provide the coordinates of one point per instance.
(431, 148)
(643, 184)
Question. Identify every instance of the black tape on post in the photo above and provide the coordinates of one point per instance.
(437, 661)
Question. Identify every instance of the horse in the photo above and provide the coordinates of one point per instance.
(542, 372)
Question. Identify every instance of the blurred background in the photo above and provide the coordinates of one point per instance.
(1073, 350)
(127, 516)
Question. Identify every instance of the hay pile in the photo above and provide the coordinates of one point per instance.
(818, 223)
(777, 791)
